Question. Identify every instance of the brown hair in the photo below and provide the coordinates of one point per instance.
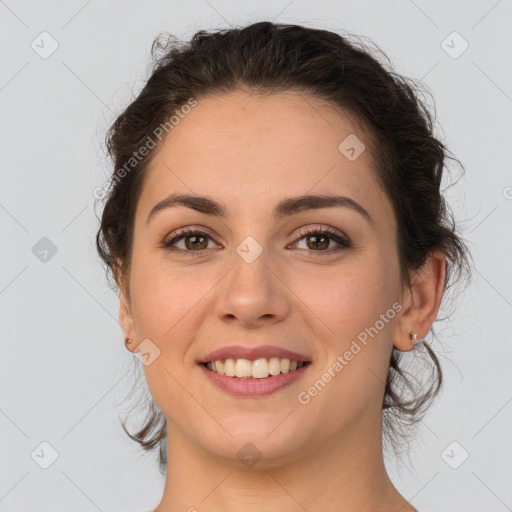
(267, 58)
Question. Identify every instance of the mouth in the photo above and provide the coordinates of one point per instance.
(261, 368)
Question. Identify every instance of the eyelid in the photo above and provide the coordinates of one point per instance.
(344, 242)
(319, 227)
(187, 231)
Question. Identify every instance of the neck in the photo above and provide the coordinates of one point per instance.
(344, 473)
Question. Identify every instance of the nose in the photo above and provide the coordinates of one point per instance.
(253, 293)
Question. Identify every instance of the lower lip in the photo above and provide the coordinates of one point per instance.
(254, 387)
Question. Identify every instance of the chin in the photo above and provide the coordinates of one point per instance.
(266, 443)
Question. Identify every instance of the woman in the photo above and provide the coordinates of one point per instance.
(278, 238)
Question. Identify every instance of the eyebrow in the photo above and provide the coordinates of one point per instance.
(284, 208)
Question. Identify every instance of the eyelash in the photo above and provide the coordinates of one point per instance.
(335, 235)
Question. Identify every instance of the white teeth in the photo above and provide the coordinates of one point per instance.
(229, 367)
(243, 368)
(257, 369)
(274, 367)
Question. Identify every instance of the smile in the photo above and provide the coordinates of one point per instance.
(258, 369)
(242, 377)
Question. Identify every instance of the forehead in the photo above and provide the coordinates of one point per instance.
(241, 148)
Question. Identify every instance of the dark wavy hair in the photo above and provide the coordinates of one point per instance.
(408, 162)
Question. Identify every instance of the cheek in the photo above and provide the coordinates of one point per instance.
(355, 345)
(166, 305)
(343, 299)
(346, 299)
(355, 306)
(164, 298)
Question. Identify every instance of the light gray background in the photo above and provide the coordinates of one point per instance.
(64, 369)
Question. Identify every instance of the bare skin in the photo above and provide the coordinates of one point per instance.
(249, 152)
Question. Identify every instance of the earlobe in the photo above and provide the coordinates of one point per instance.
(424, 300)
(406, 342)
(125, 313)
(126, 322)
(130, 345)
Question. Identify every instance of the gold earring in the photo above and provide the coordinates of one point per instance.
(128, 341)
(414, 337)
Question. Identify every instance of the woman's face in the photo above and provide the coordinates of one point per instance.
(259, 281)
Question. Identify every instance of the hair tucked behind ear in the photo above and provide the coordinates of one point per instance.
(408, 159)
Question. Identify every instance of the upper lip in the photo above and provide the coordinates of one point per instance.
(252, 353)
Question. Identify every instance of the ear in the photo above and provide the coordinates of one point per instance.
(421, 301)
(125, 311)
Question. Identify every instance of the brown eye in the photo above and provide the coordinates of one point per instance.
(318, 240)
(194, 242)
